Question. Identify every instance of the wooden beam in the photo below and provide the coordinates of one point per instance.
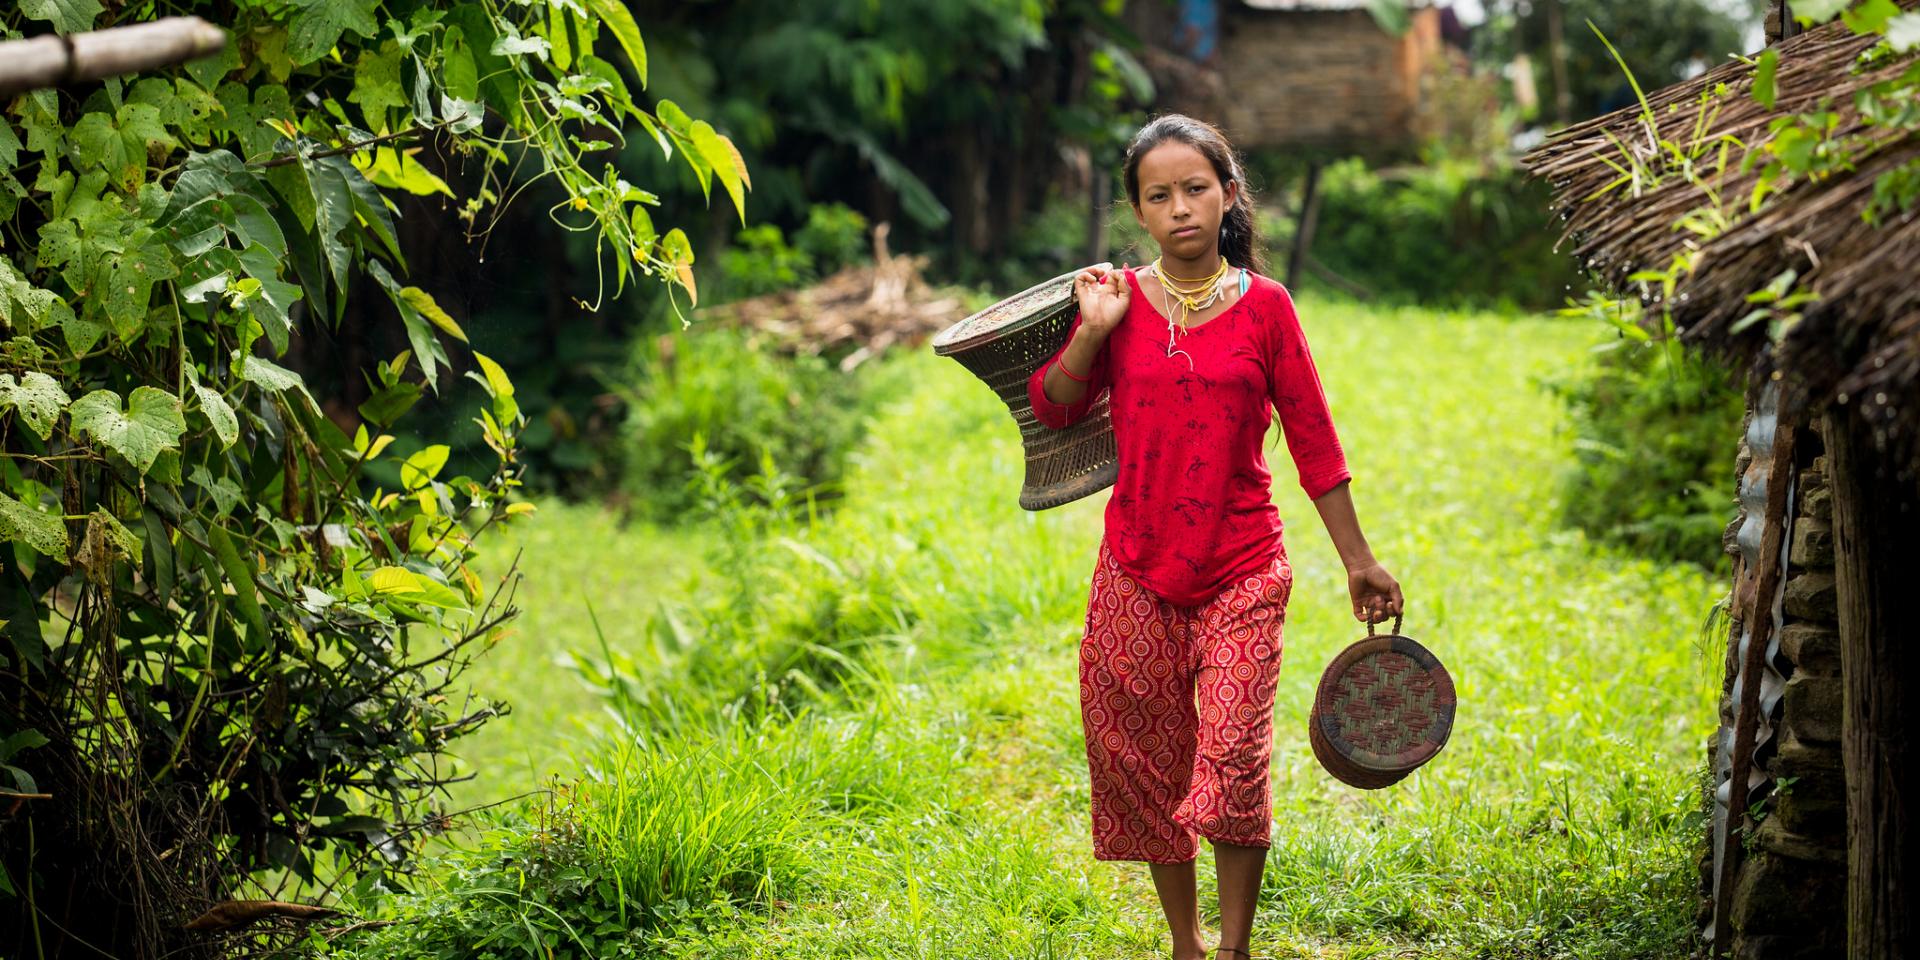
(52, 61)
(1303, 228)
(1876, 525)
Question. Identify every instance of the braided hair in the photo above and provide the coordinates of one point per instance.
(1240, 241)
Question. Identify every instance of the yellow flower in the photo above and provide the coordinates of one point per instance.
(579, 203)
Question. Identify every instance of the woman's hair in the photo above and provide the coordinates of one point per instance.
(1240, 241)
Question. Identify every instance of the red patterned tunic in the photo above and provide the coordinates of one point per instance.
(1192, 510)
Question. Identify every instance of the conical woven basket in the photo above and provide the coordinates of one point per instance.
(1384, 706)
(1003, 345)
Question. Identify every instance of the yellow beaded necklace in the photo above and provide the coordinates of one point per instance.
(1192, 295)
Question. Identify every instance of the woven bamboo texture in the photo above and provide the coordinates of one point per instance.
(1384, 707)
(1003, 345)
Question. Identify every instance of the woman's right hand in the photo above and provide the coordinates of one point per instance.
(1103, 294)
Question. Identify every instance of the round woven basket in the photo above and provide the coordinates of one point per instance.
(1003, 345)
(1384, 707)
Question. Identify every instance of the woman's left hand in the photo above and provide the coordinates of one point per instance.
(1376, 595)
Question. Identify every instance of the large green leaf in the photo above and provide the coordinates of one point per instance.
(1765, 75)
(118, 144)
(722, 157)
(425, 345)
(9, 145)
(615, 16)
(151, 422)
(37, 397)
(423, 302)
(318, 24)
(26, 306)
(272, 307)
(396, 169)
(68, 16)
(399, 583)
(245, 592)
(425, 464)
(44, 532)
(376, 84)
(498, 386)
(332, 216)
(458, 73)
(215, 408)
(270, 375)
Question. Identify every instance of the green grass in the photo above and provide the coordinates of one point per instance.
(930, 800)
(568, 555)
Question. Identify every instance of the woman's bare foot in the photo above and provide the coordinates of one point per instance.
(1194, 950)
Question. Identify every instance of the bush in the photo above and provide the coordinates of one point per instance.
(234, 621)
(742, 402)
(835, 236)
(1453, 233)
(1656, 429)
(760, 261)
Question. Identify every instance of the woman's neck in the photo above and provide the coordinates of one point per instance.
(1181, 268)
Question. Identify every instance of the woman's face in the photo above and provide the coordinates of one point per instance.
(1181, 200)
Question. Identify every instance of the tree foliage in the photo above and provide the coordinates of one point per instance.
(227, 654)
(915, 97)
(1661, 40)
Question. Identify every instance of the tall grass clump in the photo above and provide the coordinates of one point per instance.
(745, 402)
(1655, 431)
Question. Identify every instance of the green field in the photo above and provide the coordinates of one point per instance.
(930, 800)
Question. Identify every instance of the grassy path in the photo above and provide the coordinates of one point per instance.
(941, 812)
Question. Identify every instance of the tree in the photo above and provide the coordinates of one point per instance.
(229, 656)
(1659, 39)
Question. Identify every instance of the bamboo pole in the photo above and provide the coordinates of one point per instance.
(51, 61)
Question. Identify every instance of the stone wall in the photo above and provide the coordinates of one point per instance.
(1787, 889)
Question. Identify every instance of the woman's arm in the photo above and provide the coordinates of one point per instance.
(1376, 594)
(1060, 401)
(1059, 398)
(1081, 355)
(1307, 422)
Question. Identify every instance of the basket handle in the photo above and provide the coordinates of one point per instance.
(1371, 622)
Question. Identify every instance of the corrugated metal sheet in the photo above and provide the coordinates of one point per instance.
(1754, 485)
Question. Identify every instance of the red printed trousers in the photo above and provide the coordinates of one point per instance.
(1177, 703)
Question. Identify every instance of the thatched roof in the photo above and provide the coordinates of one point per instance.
(1860, 342)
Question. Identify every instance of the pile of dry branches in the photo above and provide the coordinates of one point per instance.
(870, 307)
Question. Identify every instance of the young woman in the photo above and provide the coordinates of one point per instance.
(1182, 644)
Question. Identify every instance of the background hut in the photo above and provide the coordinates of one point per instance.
(1319, 76)
(1814, 797)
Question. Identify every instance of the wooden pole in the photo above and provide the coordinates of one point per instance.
(52, 61)
(1876, 522)
(1557, 56)
(1303, 228)
(1099, 198)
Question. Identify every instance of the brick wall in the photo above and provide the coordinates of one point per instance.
(1322, 78)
